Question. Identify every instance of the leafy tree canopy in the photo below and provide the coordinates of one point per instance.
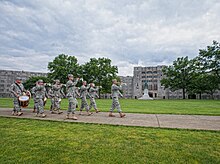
(63, 65)
(178, 75)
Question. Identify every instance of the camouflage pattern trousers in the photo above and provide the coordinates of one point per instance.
(52, 104)
(35, 103)
(57, 103)
(84, 104)
(40, 105)
(92, 103)
(72, 105)
(115, 104)
(17, 106)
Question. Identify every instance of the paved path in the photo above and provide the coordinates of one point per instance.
(132, 119)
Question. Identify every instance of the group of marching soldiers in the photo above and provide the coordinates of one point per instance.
(56, 93)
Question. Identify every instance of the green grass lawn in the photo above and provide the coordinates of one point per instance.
(199, 107)
(35, 141)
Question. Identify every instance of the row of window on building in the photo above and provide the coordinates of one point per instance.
(146, 81)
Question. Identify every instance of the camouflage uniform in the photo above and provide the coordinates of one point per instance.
(40, 93)
(71, 95)
(93, 94)
(115, 94)
(17, 90)
(83, 95)
(51, 96)
(58, 94)
(34, 98)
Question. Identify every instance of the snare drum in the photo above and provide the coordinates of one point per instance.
(24, 101)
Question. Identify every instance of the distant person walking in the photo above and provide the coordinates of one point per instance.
(115, 89)
(40, 95)
(71, 95)
(92, 95)
(34, 98)
(57, 95)
(83, 95)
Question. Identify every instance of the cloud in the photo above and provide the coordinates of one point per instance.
(129, 32)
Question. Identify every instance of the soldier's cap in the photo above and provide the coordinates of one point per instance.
(56, 81)
(114, 80)
(70, 75)
(18, 78)
(40, 81)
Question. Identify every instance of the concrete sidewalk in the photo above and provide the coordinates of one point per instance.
(132, 119)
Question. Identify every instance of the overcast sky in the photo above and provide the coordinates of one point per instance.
(129, 32)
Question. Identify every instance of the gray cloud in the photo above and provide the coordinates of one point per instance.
(129, 32)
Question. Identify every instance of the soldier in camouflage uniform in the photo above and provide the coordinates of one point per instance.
(115, 102)
(83, 95)
(93, 94)
(51, 96)
(17, 89)
(34, 98)
(71, 95)
(58, 94)
(40, 94)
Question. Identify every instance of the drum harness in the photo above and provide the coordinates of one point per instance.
(19, 87)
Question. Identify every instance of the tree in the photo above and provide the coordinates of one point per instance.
(202, 82)
(178, 76)
(63, 65)
(209, 59)
(101, 72)
(206, 66)
(31, 82)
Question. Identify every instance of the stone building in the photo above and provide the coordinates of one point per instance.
(150, 77)
(127, 86)
(7, 77)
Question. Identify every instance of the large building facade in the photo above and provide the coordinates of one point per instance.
(7, 77)
(150, 77)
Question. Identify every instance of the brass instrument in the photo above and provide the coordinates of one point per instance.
(47, 84)
(125, 84)
(62, 85)
(121, 83)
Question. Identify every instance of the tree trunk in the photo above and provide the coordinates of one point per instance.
(212, 96)
(99, 91)
(184, 93)
(200, 95)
